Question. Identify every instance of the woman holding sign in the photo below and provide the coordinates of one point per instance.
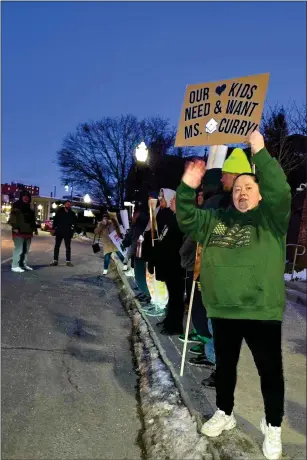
(242, 281)
(103, 230)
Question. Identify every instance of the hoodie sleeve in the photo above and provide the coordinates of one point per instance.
(192, 221)
(13, 219)
(275, 191)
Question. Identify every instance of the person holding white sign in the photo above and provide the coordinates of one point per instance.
(242, 282)
(103, 230)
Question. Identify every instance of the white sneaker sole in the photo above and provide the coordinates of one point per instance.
(155, 314)
(265, 453)
(17, 271)
(214, 434)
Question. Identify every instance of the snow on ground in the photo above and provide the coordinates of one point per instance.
(170, 431)
(297, 276)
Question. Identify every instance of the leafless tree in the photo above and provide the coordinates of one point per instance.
(98, 155)
(279, 125)
(298, 119)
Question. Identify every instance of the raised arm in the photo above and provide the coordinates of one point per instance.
(192, 221)
(274, 188)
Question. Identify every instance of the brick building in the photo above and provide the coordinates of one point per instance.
(12, 190)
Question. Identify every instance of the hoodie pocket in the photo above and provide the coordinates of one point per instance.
(231, 286)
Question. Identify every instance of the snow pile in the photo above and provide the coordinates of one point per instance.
(297, 276)
(82, 237)
(170, 431)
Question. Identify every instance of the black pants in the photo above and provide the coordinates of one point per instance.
(264, 341)
(58, 242)
(175, 284)
(199, 313)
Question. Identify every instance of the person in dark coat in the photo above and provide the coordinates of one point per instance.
(63, 229)
(22, 221)
(139, 223)
(167, 262)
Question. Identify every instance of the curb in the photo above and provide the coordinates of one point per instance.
(165, 407)
(296, 296)
(234, 445)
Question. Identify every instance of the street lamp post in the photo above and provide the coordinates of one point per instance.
(141, 155)
(71, 189)
(87, 199)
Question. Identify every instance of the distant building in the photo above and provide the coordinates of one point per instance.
(13, 190)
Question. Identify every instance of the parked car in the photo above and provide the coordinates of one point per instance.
(47, 225)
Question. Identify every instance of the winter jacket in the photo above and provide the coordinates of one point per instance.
(22, 218)
(243, 258)
(165, 255)
(64, 222)
(103, 231)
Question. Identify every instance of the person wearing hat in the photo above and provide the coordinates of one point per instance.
(242, 282)
(22, 221)
(63, 228)
(213, 198)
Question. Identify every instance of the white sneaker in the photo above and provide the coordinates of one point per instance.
(125, 267)
(105, 272)
(272, 446)
(130, 272)
(27, 268)
(218, 423)
(17, 270)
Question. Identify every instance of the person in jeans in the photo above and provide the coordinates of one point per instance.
(22, 221)
(103, 230)
(63, 229)
(242, 281)
(138, 225)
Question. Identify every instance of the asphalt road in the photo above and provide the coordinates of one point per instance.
(68, 382)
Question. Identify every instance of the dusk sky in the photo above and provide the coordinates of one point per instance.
(68, 62)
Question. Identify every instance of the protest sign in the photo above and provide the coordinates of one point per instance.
(125, 219)
(117, 242)
(217, 156)
(223, 112)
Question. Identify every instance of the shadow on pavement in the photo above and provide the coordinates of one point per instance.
(297, 423)
(78, 328)
(299, 346)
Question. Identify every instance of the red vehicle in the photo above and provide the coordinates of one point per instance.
(46, 226)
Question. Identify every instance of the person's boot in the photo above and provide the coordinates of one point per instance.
(197, 349)
(210, 381)
(193, 337)
(201, 361)
(69, 264)
(55, 263)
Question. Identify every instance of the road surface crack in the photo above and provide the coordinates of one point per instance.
(48, 350)
(69, 376)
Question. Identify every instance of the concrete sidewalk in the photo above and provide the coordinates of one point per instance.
(247, 440)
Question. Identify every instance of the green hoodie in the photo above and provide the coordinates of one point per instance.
(243, 260)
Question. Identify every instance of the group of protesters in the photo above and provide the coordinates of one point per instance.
(217, 245)
(230, 244)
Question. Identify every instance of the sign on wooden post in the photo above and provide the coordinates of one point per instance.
(223, 112)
